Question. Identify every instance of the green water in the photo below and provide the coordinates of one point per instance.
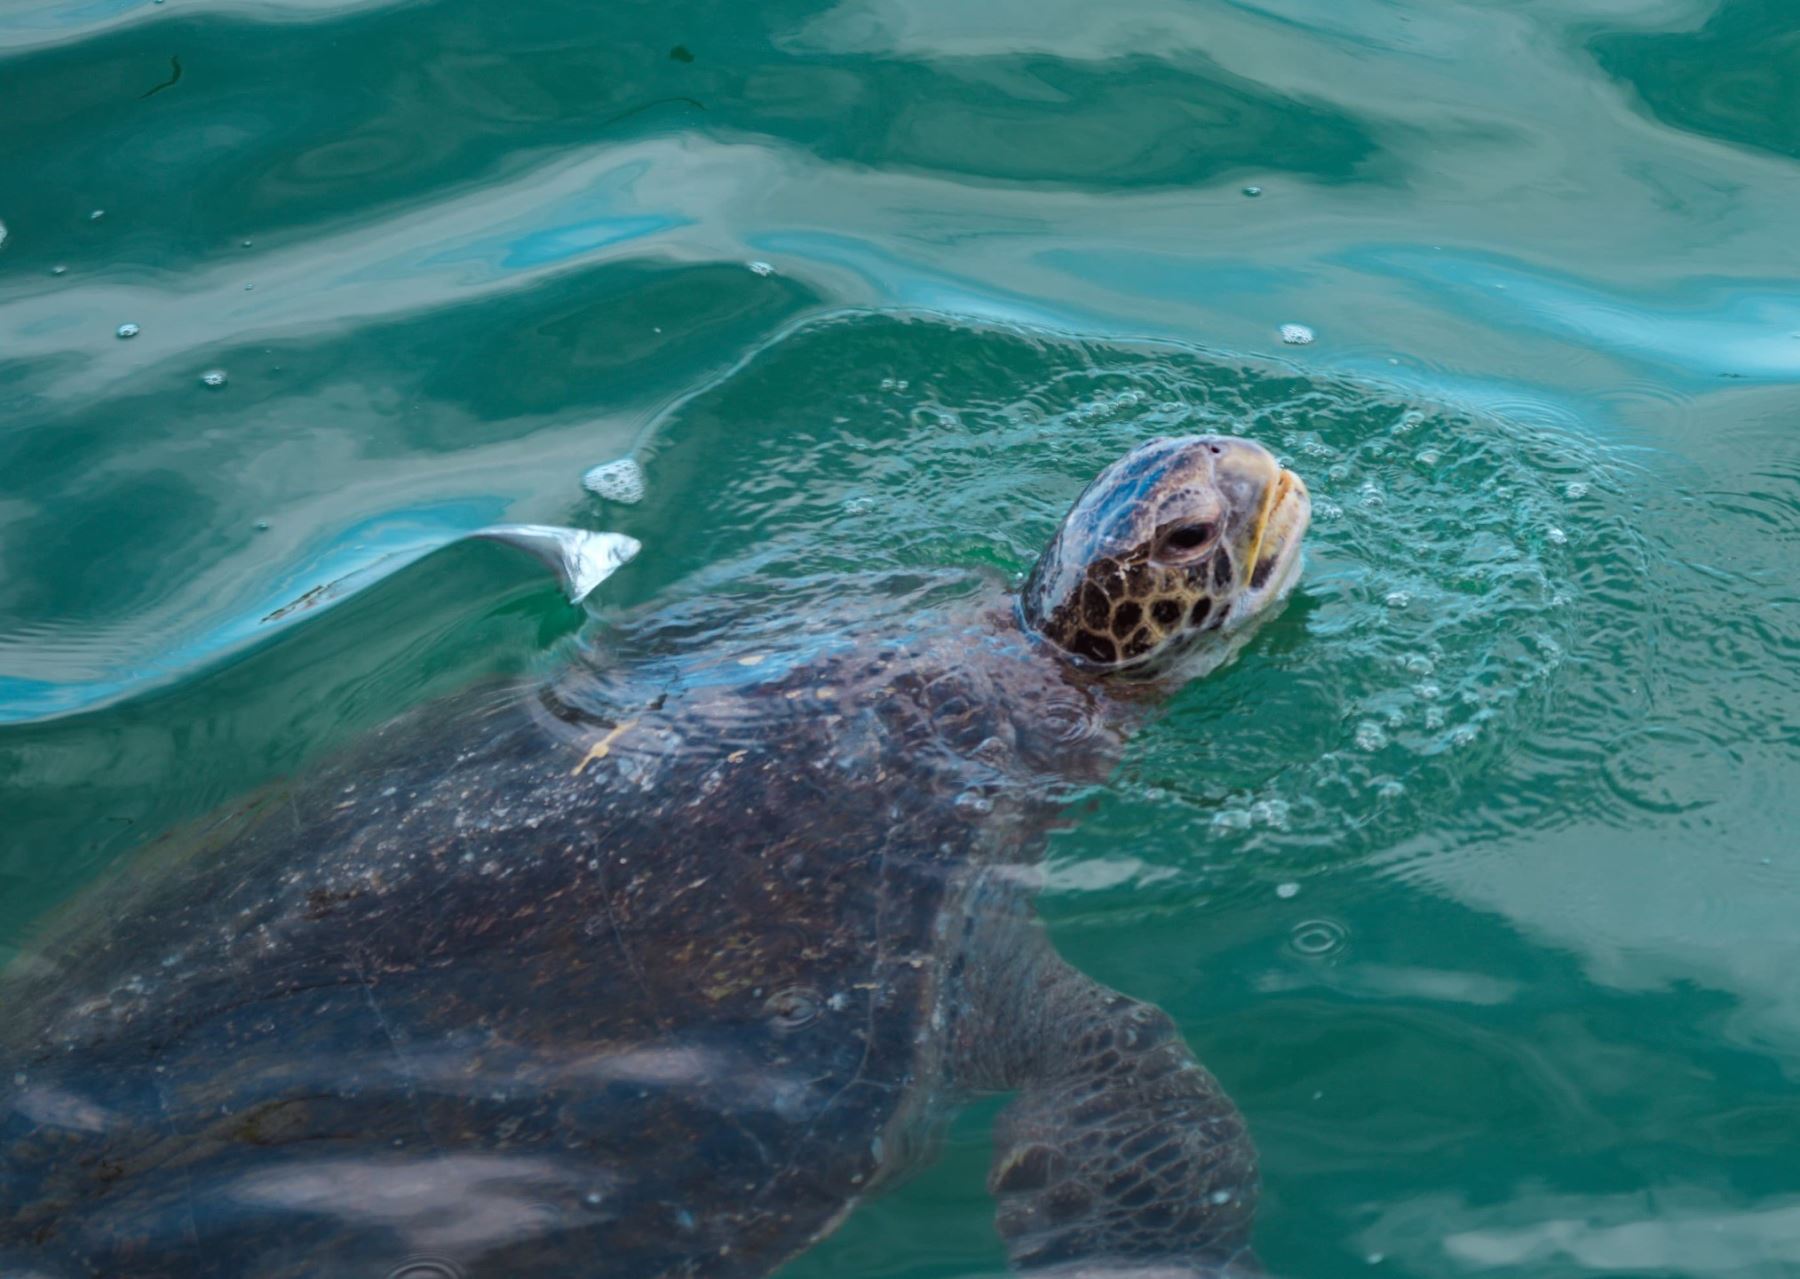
(1476, 879)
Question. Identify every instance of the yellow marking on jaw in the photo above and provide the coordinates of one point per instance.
(602, 748)
(1272, 498)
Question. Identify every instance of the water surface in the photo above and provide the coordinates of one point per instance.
(1474, 879)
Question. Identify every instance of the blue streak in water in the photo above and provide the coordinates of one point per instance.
(1161, 275)
(353, 559)
(1709, 328)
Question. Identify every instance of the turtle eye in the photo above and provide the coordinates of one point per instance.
(1185, 540)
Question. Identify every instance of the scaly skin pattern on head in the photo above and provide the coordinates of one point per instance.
(1177, 540)
(657, 966)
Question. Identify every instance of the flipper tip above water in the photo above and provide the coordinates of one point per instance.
(581, 559)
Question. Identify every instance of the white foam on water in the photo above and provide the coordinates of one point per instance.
(621, 480)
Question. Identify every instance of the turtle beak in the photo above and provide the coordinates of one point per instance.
(1280, 526)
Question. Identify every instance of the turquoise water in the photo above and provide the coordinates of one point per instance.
(1475, 878)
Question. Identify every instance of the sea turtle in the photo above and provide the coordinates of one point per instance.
(659, 965)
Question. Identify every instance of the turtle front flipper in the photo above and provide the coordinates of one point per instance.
(1121, 1154)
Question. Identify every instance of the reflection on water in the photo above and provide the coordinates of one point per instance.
(1516, 755)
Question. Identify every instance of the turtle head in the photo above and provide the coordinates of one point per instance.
(1168, 555)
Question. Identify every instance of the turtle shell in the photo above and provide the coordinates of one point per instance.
(629, 974)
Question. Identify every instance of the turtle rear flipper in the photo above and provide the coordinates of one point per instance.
(1121, 1155)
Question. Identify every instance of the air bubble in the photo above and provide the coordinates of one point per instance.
(1556, 535)
(425, 1268)
(1576, 489)
(1429, 457)
(96, 215)
(1370, 736)
(1296, 335)
(762, 268)
(1287, 891)
(1398, 599)
(126, 330)
(1419, 664)
(621, 480)
(974, 804)
(213, 377)
(1317, 938)
(1269, 812)
(1252, 192)
(59, 269)
(1232, 819)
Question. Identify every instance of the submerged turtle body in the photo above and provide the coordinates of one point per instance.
(653, 970)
